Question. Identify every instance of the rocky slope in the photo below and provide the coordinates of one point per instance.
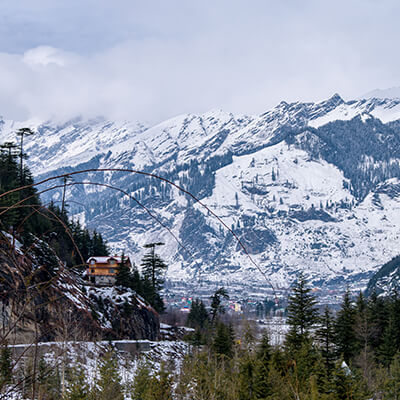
(41, 300)
(386, 281)
(305, 186)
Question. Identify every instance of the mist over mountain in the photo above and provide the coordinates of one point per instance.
(310, 187)
(391, 93)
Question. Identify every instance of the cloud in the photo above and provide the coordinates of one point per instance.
(44, 56)
(153, 60)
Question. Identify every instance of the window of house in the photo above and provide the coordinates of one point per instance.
(111, 270)
(92, 271)
(92, 262)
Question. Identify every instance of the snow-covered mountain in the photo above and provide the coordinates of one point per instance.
(311, 187)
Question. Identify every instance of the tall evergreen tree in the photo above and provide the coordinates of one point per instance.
(392, 386)
(109, 383)
(154, 267)
(302, 314)
(22, 132)
(390, 343)
(198, 315)
(153, 271)
(124, 275)
(378, 315)
(216, 302)
(78, 388)
(223, 340)
(326, 336)
(345, 336)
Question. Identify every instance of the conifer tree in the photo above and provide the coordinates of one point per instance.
(302, 314)
(153, 267)
(216, 303)
(137, 285)
(247, 379)
(392, 386)
(22, 132)
(343, 384)
(390, 343)
(377, 318)
(161, 385)
(198, 315)
(153, 270)
(124, 276)
(264, 350)
(262, 384)
(141, 382)
(109, 386)
(326, 336)
(345, 336)
(78, 388)
(223, 340)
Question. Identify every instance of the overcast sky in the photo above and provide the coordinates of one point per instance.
(150, 60)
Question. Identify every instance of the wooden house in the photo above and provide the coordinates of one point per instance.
(103, 270)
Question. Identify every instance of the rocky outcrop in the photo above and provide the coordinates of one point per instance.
(123, 313)
(41, 300)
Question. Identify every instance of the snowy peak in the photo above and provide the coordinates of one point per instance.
(184, 137)
(306, 186)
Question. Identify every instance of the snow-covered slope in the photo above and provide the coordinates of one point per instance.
(305, 186)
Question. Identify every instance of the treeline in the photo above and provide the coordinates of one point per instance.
(24, 216)
(341, 357)
(353, 354)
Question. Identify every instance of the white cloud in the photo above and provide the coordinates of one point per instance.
(43, 56)
(152, 60)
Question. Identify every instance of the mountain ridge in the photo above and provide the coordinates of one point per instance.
(298, 183)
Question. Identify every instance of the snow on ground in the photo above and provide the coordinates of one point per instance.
(87, 355)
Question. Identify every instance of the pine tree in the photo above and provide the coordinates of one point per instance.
(22, 132)
(161, 385)
(326, 336)
(98, 245)
(302, 314)
(136, 281)
(78, 388)
(109, 386)
(153, 267)
(223, 340)
(153, 270)
(141, 382)
(377, 318)
(264, 350)
(262, 384)
(216, 303)
(343, 385)
(198, 315)
(247, 377)
(390, 343)
(124, 276)
(392, 387)
(48, 381)
(345, 336)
